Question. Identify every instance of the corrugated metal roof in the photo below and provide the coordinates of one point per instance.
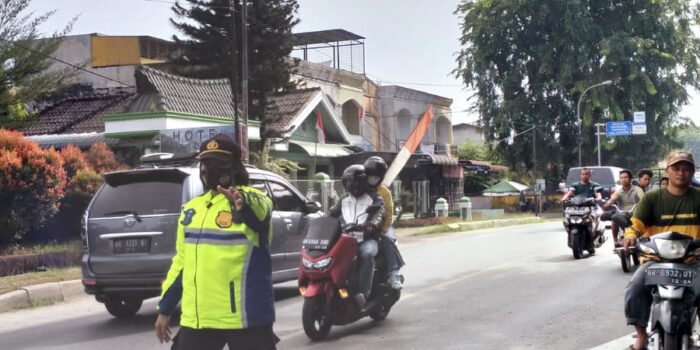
(324, 36)
(81, 140)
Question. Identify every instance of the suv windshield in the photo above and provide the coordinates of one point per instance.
(144, 198)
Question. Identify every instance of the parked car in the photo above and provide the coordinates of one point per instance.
(130, 226)
(607, 176)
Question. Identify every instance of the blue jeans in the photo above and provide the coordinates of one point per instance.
(366, 253)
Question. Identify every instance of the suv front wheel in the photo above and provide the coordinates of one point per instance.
(123, 307)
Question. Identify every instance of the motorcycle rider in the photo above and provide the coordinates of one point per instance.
(626, 198)
(674, 208)
(376, 168)
(584, 187)
(357, 198)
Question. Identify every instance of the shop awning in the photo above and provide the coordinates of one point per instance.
(82, 140)
(443, 159)
(327, 150)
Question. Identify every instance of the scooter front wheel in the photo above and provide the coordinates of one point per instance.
(625, 260)
(316, 318)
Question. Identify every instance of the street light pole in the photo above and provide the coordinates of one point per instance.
(597, 132)
(578, 115)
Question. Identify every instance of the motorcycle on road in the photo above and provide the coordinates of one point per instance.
(628, 257)
(674, 312)
(583, 226)
(328, 279)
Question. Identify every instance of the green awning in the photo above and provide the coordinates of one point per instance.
(327, 150)
(505, 188)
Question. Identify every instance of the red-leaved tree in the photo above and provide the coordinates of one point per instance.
(101, 158)
(32, 183)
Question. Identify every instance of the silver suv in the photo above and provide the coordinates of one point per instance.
(130, 226)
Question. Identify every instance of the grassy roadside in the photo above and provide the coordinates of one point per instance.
(45, 248)
(11, 283)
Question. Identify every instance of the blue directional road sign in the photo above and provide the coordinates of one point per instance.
(618, 128)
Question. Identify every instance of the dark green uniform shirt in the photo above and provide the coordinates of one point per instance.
(585, 190)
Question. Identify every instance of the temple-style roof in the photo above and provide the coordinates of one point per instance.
(164, 92)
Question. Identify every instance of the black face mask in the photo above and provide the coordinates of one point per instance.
(217, 176)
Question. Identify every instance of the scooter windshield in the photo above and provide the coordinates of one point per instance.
(322, 233)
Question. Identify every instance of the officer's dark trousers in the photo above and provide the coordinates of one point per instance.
(638, 297)
(262, 338)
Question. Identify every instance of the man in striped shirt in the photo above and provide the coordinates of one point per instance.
(675, 208)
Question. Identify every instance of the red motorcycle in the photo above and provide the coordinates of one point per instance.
(328, 278)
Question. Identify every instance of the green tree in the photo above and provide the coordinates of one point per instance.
(530, 60)
(24, 60)
(206, 51)
(477, 181)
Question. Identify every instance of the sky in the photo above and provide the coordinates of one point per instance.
(412, 43)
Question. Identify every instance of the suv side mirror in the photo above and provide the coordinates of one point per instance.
(313, 207)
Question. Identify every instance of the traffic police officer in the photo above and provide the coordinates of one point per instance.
(222, 267)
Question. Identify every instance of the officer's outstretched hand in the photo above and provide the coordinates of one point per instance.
(233, 196)
(163, 328)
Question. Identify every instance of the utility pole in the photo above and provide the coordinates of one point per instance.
(534, 149)
(234, 75)
(244, 78)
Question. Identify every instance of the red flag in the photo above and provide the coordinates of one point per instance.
(320, 133)
(418, 133)
(409, 147)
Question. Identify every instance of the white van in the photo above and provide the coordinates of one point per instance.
(607, 176)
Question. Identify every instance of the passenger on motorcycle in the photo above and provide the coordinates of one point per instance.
(644, 179)
(625, 198)
(376, 168)
(675, 208)
(351, 207)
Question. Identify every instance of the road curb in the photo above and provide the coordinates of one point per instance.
(466, 226)
(38, 294)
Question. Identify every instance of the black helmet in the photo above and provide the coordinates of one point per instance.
(375, 167)
(355, 180)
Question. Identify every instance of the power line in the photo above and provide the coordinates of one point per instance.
(64, 62)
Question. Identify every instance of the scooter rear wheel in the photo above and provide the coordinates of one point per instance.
(316, 318)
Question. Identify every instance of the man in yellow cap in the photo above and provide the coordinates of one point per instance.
(675, 208)
(222, 268)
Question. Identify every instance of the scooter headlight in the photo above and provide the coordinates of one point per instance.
(323, 263)
(308, 264)
(669, 249)
(576, 220)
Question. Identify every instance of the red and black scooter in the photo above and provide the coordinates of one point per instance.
(328, 279)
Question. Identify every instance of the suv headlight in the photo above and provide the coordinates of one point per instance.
(669, 249)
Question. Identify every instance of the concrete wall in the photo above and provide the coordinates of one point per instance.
(349, 93)
(77, 50)
(462, 133)
(400, 108)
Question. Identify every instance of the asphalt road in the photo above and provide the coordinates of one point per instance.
(507, 288)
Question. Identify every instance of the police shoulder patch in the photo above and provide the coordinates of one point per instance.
(224, 219)
(189, 214)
